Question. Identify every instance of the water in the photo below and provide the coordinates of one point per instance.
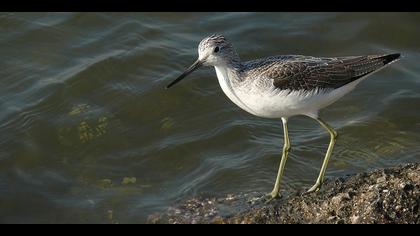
(89, 134)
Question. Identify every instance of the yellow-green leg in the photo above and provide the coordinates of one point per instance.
(333, 138)
(286, 149)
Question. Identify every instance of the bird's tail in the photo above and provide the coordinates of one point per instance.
(389, 58)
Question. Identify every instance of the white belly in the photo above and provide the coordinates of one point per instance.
(287, 104)
(266, 102)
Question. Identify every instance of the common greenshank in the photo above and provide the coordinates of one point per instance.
(286, 86)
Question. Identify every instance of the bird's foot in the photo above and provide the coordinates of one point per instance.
(315, 188)
(270, 197)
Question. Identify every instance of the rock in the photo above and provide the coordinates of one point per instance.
(337, 200)
(354, 219)
(381, 179)
(382, 196)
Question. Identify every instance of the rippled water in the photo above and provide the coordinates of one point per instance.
(89, 134)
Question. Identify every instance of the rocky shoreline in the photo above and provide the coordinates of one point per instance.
(382, 196)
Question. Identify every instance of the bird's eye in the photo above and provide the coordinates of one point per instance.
(216, 49)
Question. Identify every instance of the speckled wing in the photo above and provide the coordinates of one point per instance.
(308, 73)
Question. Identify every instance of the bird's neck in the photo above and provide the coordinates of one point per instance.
(230, 71)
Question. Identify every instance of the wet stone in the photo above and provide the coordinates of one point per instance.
(382, 196)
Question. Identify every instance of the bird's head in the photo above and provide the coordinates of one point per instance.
(214, 50)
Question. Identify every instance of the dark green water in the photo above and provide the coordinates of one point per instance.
(89, 134)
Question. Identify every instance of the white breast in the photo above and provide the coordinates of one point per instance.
(225, 84)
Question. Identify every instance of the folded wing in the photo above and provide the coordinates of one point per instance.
(308, 73)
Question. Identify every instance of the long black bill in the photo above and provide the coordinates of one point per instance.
(192, 68)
